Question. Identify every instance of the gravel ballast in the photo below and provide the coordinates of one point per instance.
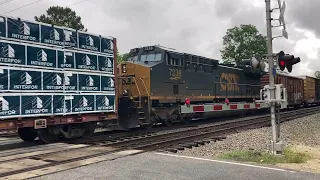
(303, 131)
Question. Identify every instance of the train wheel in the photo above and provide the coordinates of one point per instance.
(27, 134)
(168, 122)
(89, 130)
(147, 126)
(47, 137)
(186, 120)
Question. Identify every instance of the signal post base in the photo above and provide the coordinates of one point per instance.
(276, 148)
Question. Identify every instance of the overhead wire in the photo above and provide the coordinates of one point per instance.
(75, 3)
(23, 6)
(5, 2)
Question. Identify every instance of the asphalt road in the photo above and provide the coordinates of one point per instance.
(158, 166)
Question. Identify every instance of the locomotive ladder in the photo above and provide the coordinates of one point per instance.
(149, 105)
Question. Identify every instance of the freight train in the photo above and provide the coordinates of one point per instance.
(58, 82)
(157, 81)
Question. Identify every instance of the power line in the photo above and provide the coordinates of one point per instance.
(22, 6)
(5, 2)
(77, 3)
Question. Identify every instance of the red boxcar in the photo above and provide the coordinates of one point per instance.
(294, 85)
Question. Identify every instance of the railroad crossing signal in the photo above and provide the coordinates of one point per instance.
(287, 61)
(254, 63)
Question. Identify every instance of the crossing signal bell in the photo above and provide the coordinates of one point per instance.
(287, 61)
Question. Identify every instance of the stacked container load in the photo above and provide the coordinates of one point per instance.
(50, 70)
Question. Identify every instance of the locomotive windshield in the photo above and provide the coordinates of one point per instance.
(151, 57)
(133, 58)
(154, 57)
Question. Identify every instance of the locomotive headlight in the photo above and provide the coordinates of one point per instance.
(124, 68)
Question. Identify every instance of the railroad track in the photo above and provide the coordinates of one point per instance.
(179, 140)
(50, 158)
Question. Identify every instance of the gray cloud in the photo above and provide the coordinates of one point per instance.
(187, 25)
(304, 14)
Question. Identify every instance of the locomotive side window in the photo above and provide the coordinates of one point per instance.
(174, 61)
(187, 59)
(200, 67)
(158, 57)
(207, 66)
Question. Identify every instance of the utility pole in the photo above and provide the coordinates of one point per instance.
(272, 74)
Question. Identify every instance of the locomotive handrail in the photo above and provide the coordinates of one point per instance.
(138, 91)
(144, 84)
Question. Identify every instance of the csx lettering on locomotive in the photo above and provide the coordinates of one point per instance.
(229, 82)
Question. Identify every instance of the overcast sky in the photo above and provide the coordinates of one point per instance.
(193, 26)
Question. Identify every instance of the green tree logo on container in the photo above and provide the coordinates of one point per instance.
(26, 83)
(89, 44)
(54, 35)
(110, 85)
(9, 55)
(37, 107)
(90, 85)
(24, 32)
(108, 65)
(87, 63)
(84, 105)
(42, 59)
(106, 103)
(5, 108)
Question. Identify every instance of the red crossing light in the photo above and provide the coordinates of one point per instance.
(287, 61)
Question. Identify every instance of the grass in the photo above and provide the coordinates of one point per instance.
(288, 156)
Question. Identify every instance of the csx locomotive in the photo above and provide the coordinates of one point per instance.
(155, 80)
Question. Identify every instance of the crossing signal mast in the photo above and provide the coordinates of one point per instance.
(287, 61)
(275, 94)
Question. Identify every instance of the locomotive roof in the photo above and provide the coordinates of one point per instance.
(179, 52)
(183, 53)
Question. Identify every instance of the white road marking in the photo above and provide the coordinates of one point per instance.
(226, 162)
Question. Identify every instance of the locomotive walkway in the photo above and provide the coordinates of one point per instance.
(158, 166)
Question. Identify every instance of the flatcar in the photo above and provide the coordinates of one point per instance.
(156, 80)
(55, 81)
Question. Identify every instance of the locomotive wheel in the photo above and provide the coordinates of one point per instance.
(168, 122)
(147, 126)
(46, 137)
(186, 120)
(27, 134)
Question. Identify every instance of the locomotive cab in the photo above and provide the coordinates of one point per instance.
(134, 86)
